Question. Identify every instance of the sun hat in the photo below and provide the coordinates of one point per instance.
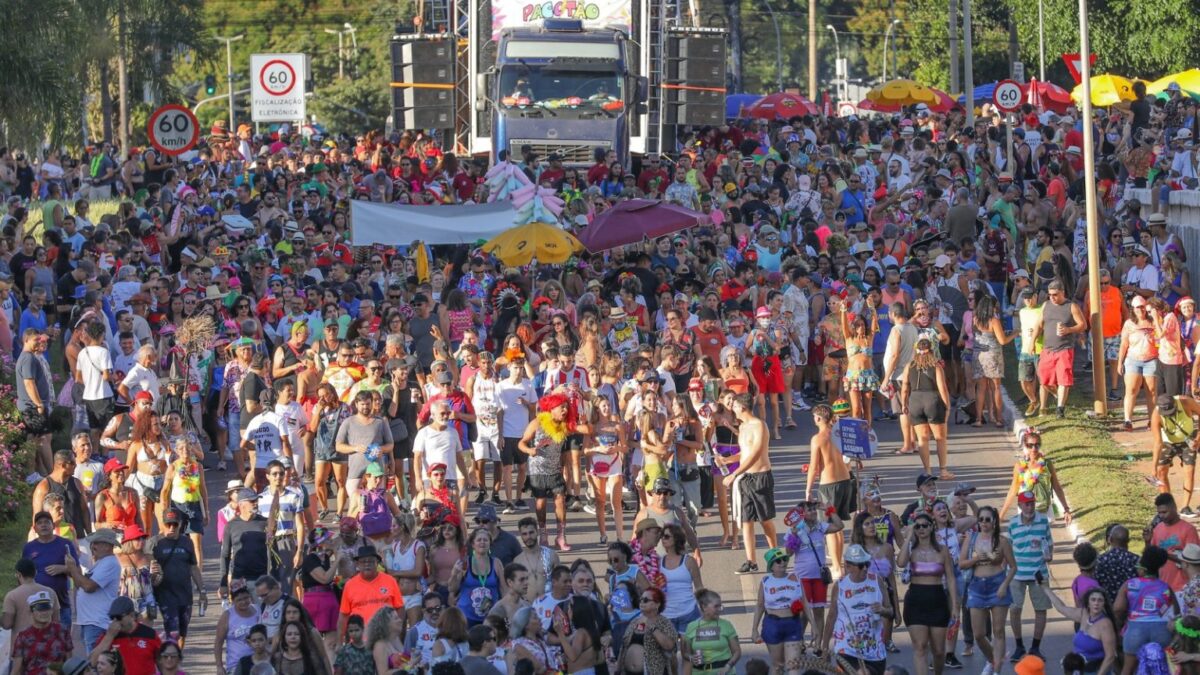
(774, 555)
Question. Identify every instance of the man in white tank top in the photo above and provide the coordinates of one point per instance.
(858, 607)
(482, 390)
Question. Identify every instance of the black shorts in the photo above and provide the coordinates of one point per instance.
(841, 497)
(99, 412)
(758, 496)
(546, 487)
(574, 443)
(510, 453)
(36, 424)
(926, 408)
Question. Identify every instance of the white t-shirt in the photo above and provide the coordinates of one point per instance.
(139, 379)
(295, 419)
(438, 447)
(266, 432)
(516, 416)
(91, 609)
(1145, 278)
(92, 363)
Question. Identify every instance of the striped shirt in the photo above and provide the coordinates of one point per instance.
(1030, 541)
(291, 505)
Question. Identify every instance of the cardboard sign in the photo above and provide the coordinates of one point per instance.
(853, 438)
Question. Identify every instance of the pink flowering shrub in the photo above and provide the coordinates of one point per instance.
(16, 448)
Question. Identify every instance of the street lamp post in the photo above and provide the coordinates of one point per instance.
(839, 77)
(229, 71)
(887, 36)
(1041, 45)
(346, 29)
(778, 47)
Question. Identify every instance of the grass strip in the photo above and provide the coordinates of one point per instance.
(1095, 471)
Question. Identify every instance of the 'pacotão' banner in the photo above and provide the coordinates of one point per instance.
(517, 13)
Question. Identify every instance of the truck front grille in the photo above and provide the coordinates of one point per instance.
(573, 153)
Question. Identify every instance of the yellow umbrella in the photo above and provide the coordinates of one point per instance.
(1107, 90)
(517, 246)
(902, 92)
(1188, 80)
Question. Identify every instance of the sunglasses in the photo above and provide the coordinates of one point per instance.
(433, 610)
(922, 526)
(987, 520)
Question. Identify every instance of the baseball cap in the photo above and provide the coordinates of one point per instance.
(925, 478)
(114, 464)
(444, 378)
(374, 469)
(486, 514)
(120, 607)
(1026, 498)
(941, 261)
(247, 495)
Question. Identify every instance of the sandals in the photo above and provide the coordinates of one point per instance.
(946, 474)
(790, 424)
(903, 451)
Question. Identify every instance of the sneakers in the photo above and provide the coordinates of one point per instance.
(1018, 654)
(574, 505)
(496, 498)
(1030, 411)
(953, 663)
(1188, 513)
(1060, 412)
(988, 670)
(480, 498)
(1034, 652)
(1114, 397)
(748, 567)
(509, 508)
(1127, 426)
(520, 504)
(590, 508)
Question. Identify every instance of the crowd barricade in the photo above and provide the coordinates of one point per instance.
(1183, 218)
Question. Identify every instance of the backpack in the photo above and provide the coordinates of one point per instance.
(375, 518)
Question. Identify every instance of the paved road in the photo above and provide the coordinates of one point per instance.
(979, 456)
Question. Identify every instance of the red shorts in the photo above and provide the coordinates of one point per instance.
(1054, 368)
(768, 374)
(814, 591)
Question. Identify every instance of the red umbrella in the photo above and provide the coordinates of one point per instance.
(1049, 96)
(780, 105)
(632, 221)
(945, 101)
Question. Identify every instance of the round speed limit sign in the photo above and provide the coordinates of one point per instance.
(1007, 95)
(173, 129)
(277, 77)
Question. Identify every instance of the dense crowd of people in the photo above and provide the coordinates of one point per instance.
(354, 398)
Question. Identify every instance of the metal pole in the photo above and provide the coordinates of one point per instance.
(352, 53)
(954, 57)
(341, 62)
(886, 36)
(229, 74)
(812, 50)
(1041, 45)
(839, 77)
(778, 47)
(1099, 404)
(968, 72)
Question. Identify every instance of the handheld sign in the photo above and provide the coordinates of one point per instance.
(1007, 95)
(173, 129)
(853, 438)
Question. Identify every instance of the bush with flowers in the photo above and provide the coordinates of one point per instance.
(16, 447)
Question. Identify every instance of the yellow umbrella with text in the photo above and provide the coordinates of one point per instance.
(518, 246)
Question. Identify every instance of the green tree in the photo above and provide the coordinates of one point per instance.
(39, 88)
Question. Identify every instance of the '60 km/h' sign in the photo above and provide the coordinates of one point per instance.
(173, 129)
(277, 87)
(1007, 95)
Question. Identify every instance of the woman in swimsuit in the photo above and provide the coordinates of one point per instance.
(861, 380)
(117, 505)
(932, 596)
(832, 341)
(734, 373)
(606, 458)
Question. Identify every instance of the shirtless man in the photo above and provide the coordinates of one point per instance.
(516, 580)
(537, 560)
(835, 489)
(754, 483)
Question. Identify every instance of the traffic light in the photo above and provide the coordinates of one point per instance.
(210, 84)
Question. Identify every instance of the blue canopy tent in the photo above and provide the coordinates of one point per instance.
(983, 93)
(735, 102)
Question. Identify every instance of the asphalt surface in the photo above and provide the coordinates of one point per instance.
(980, 456)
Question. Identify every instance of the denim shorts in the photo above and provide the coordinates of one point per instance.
(1140, 633)
(1147, 368)
(777, 630)
(681, 623)
(981, 592)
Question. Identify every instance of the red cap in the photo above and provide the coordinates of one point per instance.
(1026, 498)
(114, 464)
(1031, 120)
(436, 467)
(696, 384)
(144, 396)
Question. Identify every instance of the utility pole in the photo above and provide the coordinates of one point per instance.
(122, 81)
(968, 71)
(954, 57)
(1099, 381)
(778, 46)
(887, 36)
(229, 74)
(1041, 45)
(346, 29)
(812, 50)
(839, 77)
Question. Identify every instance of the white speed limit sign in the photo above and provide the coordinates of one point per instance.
(1007, 95)
(173, 129)
(277, 87)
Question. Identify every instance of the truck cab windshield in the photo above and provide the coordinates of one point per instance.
(559, 89)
